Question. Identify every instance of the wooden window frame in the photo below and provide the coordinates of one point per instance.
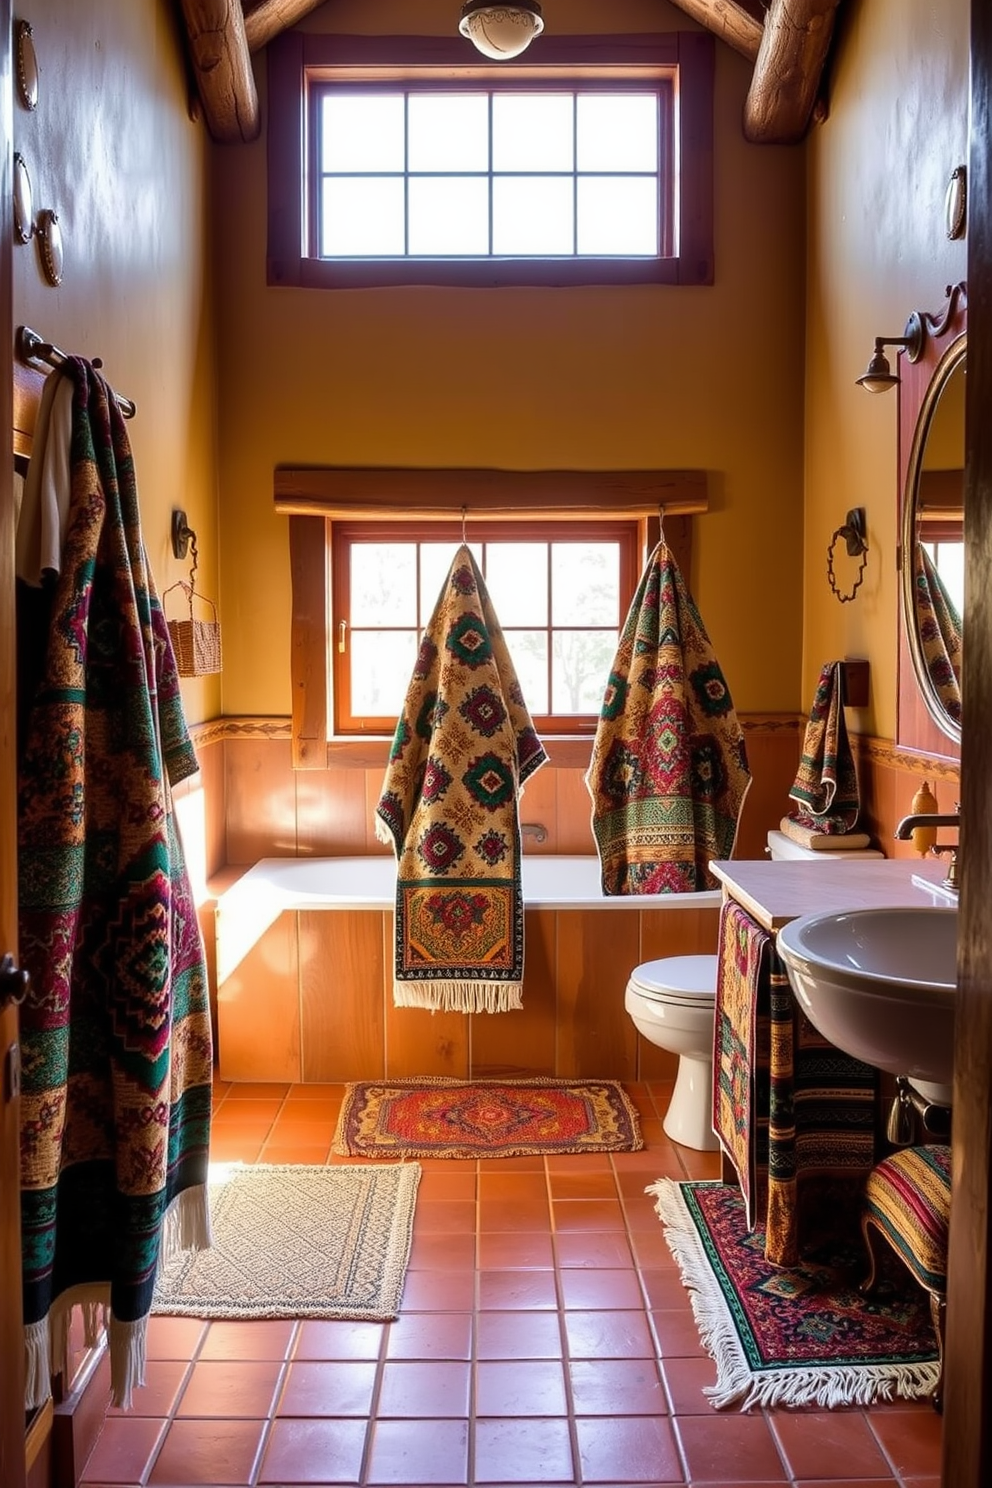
(314, 497)
(625, 531)
(295, 58)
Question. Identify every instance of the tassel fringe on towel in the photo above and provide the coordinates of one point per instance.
(826, 1386)
(459, 996)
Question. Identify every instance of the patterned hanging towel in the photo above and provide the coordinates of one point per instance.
(825, 789)
(669, 773)
(115, 1030)
(463, 747)
(939, 626)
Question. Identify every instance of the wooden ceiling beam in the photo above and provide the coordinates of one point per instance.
(730, 22)
(265, 19)
(219, 56)
(786, 81)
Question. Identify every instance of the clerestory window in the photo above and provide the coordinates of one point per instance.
(401, 160)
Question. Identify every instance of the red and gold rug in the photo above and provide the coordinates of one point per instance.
(485, 1118)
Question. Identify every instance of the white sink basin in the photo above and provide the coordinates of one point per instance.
(881, 985)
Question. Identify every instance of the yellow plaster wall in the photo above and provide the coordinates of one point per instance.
(112, 148)
(878, 170)
(515, 378)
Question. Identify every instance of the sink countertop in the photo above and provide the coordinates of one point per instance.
(777, 892)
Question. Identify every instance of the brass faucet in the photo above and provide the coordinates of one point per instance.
(935, 819)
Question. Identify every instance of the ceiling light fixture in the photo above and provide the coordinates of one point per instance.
(501, 31)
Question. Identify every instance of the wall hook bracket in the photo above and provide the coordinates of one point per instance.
(854, 532)
(182, 534)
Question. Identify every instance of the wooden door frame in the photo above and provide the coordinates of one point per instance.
(12, 1441)
(967, 1444)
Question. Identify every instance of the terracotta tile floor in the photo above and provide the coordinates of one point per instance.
(545, 1338)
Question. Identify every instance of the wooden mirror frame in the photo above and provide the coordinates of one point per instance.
(919, 388)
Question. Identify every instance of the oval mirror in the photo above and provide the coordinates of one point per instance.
(933, 541)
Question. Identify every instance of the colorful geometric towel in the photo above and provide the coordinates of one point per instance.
(801, 1336)
(115, 1031)
(668, 774)
(939, 628)
(826, 785)
(793, 1113)
(463, 747)
(486, 1118)
(908, 1197)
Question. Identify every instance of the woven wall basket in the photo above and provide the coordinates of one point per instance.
(195, 642)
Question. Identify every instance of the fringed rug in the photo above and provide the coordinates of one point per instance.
(308, 1242)
(486, 1118)
(799, 1335)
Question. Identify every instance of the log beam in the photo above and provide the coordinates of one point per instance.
(786, 81)
(221, 63)
(730, 22)
(265, 19)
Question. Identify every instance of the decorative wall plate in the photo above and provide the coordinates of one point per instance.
(23, 208)
(25, 65)
(49, 236)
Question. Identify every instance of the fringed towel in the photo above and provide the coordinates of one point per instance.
(939, 627)
(115, 1031)
(825, 789)
(463, 747)
(795, 1115)
(669, 773)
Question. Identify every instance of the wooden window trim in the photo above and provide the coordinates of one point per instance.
(295, 55)
(312, 497)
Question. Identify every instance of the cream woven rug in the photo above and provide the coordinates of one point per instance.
(308, 1242)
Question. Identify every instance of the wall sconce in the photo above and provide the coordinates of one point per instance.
(854, 533)
(879, 376)
(501, 31)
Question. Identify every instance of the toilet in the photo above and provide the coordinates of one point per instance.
(671, 1002)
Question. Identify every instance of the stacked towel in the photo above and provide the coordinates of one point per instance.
(825, 789)
(669, 771)
(463, 747)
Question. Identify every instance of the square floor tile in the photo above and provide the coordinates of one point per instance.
(219, 1453)
(635, 1449)
(326, 1388)
(231, 1388)
(517, 1387)
(123, 1450)
(268, 1339)
(523, 1451)
(334, 1339)
(608, 1335)
(911, 1440)
(513, 1291)
(518, 1335)
(419, 1452)
(313, 1452)
(593, 1248)
(157, 1396)
(174, 1337)
(438, 1291)
(515, 1249)
(600, 1288)
(617, 1387)
(730, 1449)
(812, 1441)
(419, 1335)
(425, 1388)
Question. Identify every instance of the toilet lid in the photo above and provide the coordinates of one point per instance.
(683, 979)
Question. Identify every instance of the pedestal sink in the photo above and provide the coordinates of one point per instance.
(881, 985)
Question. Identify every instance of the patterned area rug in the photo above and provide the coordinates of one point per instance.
(308, 1242)
(793, 1335)
(487, 1118)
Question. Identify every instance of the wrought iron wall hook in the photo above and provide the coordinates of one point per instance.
(854, 534)
(183, 540)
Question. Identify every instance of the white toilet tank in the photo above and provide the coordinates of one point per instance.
(782, 848)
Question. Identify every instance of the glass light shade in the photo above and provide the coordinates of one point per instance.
(501, 31)
(879, 376)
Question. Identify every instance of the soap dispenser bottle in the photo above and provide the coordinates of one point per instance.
(924, 838)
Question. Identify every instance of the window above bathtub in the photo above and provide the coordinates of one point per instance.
(407, 160)
(561, 552)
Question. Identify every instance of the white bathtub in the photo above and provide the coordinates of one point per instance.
(273, 885)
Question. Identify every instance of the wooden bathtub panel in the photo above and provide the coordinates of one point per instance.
(258, 1010)
(672, 932)
(596, 951)
(419, 1042)
(260, 799)
(522, 1043)
(341, 995)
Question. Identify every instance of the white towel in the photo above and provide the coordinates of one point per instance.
(45, 503)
